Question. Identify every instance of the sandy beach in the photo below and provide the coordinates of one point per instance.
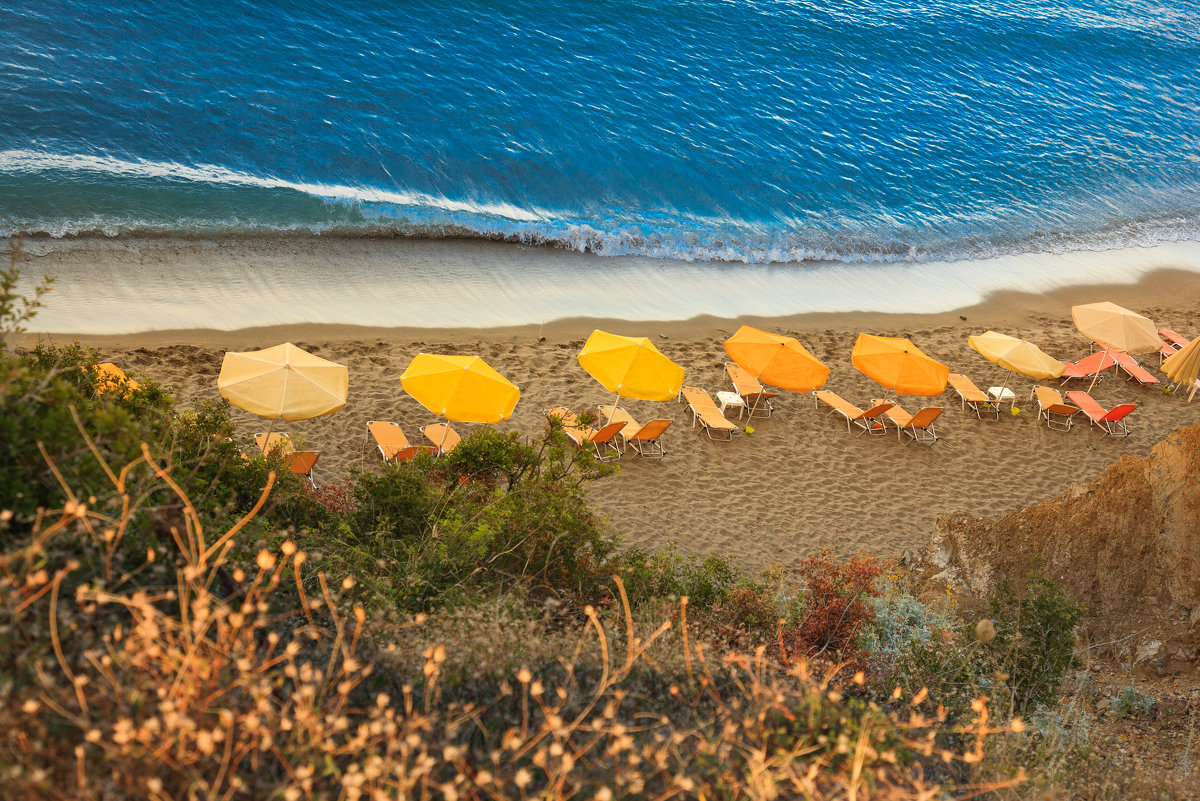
(800, 482)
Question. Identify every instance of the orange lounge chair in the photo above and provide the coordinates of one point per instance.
(757, 399)
(1091, 366)
(919, 426)
(1129, 366)
(867, 420)
(604, 440)
(389, 439)
(1111, 421)
(1051, 406)
(645, 439)
(705, 413)
(442, 437)
(299, 462)
(973, 396)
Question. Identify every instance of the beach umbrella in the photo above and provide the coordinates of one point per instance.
(630, 367)
(460, 388)
(898, 365)
(107, 377)
(1183, 366)
(1114, 327)
(283, 383)
(1017, 355)
(776, 360)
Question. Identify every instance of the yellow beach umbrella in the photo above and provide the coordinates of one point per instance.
(631, 367)
(776, 360)
(1017, 355)
(1183, 366)
(460, 388)
(898, 365)
(283, 383)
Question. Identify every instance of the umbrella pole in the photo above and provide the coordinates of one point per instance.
(1096, 377)
(445, 433)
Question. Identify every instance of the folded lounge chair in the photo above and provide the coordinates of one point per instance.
(1129, 366)
(299, 462)
(867, 420)
(757, 400)
(1058, 414)
(1111, 421)
(919, 426)
(705, 413)
(441, 437)
(389, 439)
(973, 396)
(1089, 367)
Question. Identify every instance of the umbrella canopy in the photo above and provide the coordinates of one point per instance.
(1017, 355)
(1183, 366)
(460, 388)
(283, 382)
(899, 365)
(1114, 327)
(776, 360)
(631, 367)
(107, 376)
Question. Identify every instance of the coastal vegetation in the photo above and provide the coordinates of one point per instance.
(179, 619)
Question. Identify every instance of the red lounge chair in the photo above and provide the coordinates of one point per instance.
(1098, 362)
(389, 439)
(1111, 421)
(1171, 342)
(1129, 366)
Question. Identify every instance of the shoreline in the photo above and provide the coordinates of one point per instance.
(125, 286)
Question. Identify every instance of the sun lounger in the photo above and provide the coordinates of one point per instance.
(757, 400)
(867, 420)
(1051, 406)
(705, 413)
(604, 440)
(1111, 421)
(919, 426)
(441, 437)
(279, 444)
(645, 439)
(973, 396)
(1177, 341)
(1093, 365)
(391, 442)
(1129, 366)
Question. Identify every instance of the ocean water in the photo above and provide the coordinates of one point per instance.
(734, 132)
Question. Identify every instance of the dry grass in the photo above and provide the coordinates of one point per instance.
(234, 682)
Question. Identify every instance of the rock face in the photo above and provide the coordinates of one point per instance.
(1127, 546)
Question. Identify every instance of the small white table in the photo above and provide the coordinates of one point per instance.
(1002, 394)
(727, 399)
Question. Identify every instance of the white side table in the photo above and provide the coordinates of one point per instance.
(727, 399)
(1002, 394)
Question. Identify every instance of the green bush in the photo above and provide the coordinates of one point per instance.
(1133, 703)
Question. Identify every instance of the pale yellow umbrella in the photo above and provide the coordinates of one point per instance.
(1017, 355)
(283, 383)
(1183, 366)
(1114, 327)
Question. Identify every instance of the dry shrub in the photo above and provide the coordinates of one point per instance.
(233, 683)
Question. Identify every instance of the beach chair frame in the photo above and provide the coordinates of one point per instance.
(706, 413)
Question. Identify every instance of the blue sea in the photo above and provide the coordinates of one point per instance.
(738, 132)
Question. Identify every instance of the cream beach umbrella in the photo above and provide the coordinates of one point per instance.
(630, 367)
(1017, 355)
(1183, 366)
(283, 383)
(1114, 327)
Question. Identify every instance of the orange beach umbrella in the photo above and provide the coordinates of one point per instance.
(283, 383)
(898, 365)
(776, 360)
(460, 388)
(631, 367)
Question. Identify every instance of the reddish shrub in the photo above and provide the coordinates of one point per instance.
(836, 607)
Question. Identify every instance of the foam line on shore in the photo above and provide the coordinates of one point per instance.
(129, 286)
